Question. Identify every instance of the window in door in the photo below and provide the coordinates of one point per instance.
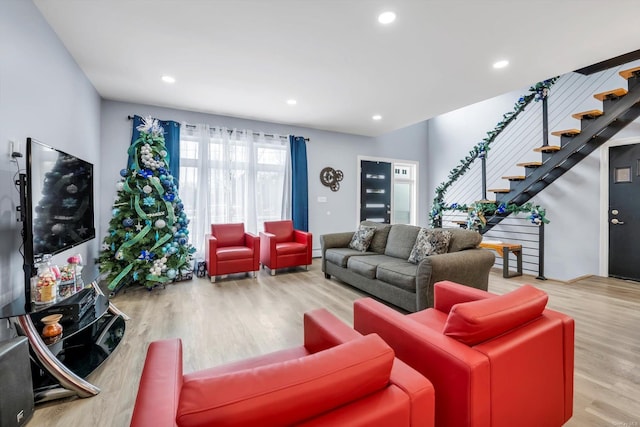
(404, 193)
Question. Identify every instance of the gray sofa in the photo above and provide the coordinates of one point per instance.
(384, 272)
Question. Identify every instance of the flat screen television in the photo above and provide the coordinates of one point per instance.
(59, 212)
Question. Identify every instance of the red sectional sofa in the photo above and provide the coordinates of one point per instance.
(337, 378)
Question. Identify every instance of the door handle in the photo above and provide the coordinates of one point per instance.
(616, 222)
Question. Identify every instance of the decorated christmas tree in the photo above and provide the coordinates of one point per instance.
(147, 242)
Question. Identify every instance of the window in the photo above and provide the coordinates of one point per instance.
(231, 176)
(404, 193)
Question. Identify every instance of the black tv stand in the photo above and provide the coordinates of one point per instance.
(60, 368)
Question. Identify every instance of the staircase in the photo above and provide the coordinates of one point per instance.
(620, 107)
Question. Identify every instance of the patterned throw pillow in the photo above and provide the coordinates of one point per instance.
(429, 242)
(362, 238)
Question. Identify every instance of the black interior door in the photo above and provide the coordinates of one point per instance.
(624, 211)
(375, 191)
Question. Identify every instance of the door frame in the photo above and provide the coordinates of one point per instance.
(416, 164)
(604, 199)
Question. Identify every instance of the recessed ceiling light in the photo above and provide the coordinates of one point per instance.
(168, 79)
(386, 17)
(292, 101)
(501, 64)
(377, 117)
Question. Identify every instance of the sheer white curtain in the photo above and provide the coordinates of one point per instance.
(232, 176)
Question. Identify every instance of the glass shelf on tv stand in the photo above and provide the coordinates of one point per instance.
(83, 346)
(38, 307)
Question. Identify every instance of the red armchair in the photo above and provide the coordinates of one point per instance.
(281, 246)
(498, 361)
(337, 378)
(228, 249)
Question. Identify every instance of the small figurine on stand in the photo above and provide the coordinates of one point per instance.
(75, 262)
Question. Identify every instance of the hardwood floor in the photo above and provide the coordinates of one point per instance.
(238, 317)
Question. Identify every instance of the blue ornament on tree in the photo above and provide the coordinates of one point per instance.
(115, 212)
(124, 173)
(171, 273)
(127, 222)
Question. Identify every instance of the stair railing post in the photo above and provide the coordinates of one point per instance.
(541, 253)
(545, 119)
(484, 176)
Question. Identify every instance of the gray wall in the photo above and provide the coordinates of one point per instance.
(337, 150)
(45, 95)
(410, 143)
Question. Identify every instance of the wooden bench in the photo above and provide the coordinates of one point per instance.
(503, 249)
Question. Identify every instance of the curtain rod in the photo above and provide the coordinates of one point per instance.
(255, 133)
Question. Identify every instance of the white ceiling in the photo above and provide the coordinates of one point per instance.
(245, 58)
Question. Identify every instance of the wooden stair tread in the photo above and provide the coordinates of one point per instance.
(587, 114)
(627, 74)
(616, 93)
(529, 164)
(566, 132)
(515, 177)
(486, 201)
(499, 190)
(547, 149)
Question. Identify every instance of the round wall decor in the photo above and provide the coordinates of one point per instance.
(329, 177)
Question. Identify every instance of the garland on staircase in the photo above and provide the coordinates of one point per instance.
(477, 212)
(476, 215)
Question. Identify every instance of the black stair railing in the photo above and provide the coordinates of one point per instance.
(620, 109)
(595, 131)
(537, 92)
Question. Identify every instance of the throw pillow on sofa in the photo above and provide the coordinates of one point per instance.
(429, 242)
(362, 238)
